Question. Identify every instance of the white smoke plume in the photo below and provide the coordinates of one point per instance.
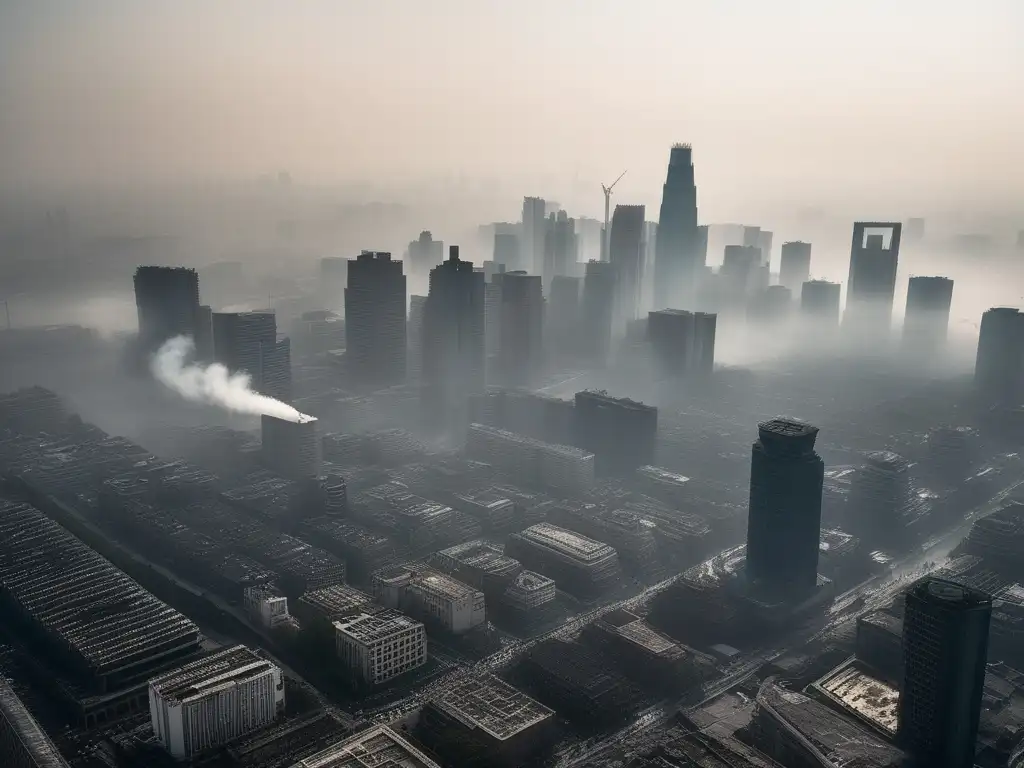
(214, 384)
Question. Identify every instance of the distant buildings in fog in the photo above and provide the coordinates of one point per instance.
(926, 321)
(872, 282)
(795, 265)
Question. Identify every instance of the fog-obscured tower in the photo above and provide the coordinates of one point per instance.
(784, 521)
(598, 311)
(999, 366)
(247, 342)
(872, 282)
(926, 321)
(795, 265)
(532, 243)
(678, 253)
(559, 247)
(945, 648)
(508, 250)
(562, 315)
(167, 300)
(626, 255)
(520, 350)
(375, 323)
(333, 277)
(820, 301)
(425, 253)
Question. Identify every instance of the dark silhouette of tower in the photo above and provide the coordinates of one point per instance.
(247, 342)
(453, 341)
(520, 348)
(559, 247)
(598, 310)
(926, 321)
(425, 253)
(562, 315)
(795, 265)
(531, 245)
(945, 647)
(625, 250)
(784, 522)
(167, 300)
(678, 252)
(999, 365)
(872, 282)
(375, 329)
(819, 301)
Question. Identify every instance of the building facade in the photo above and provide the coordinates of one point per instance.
(999, 365)
(521, 336)
(678, 251)
(377, 647)
(625, 248)
(820, 301)
(872, 282)
(926, 322)
(531, 245)
(167, 300)
(598, 311)
(375, 322)
(795, 265)
(247, 342)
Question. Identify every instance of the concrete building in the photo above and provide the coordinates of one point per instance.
(926, 321)
(764, 243)
(626, 255)
(578, 564)
(376, 747)
(819, 302)
(559, 248)
(492, 268)
(266, 605)
(671, 335)
(414, 339)
(507, 250)
(532, 242)
(453, 334)
(784, 523)
(770, 307)
(795, 266)
(424, 254)
(599, 289)
(945, 646)
(23, 743)
(291, 448)
(872, 282)
(741, 273)
(562, 315)
(561, 467)
(999, 366)
(247, 342)
(215, 700)
(678, 250)
(483, 719)
(431, 596)
(589, 239)
(167, 300)
(375, 326)
(521, 335)
(377, 647)
(620, 432)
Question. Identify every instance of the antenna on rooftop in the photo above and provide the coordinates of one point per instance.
(605, 256)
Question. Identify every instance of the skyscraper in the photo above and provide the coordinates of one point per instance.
(453, 341)
(626, 255)
(425, 253)
(945, 647)
(678, 255)
(520, 350)
(872, 282)
(508, 249)
(375, 328)
(784, 522)
(598, 311)
(671, 335)
(926, 321)
(795, 265)
(559, 247)
(247, 342)
(562, 315)
(167, 300)
(414, 338)
(999, 366)
(531, 245)
(819, 301)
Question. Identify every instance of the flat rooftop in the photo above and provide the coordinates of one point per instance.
(336, 600)
(491, 705)
(68, 589)
(378, 747)
(662, 475)
(442, 585)
(529, 581)
(367, 627)
(567, 542)
(637, 631)
(205, 676)
(481, 556)
(862, 695)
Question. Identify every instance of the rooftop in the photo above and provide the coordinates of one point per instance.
(862, 695)
(492, 705)
(378, 747)
(366, 627)
(336, 600)
(24, 728)
(950, 593)
(566, 542)
(205, 676)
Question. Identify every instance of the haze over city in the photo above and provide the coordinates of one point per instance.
(461, 384)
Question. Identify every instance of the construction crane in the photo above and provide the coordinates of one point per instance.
(605, 242)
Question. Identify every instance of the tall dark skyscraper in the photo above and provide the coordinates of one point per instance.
(508, 249)
(945, 648)
(375, 327)
(795, 265)
(598, 311)
(520, 349)
(872, 282)
(621, 433)
(926, 321)
(167, 299)
(562, 315)
(531, 244)
(678, 252)
(819, 301)
(559, 247)
(453, 341)
(784, 521)
(626, 255)
(247, 342)
(999, 366)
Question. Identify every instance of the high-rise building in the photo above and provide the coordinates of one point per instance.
(210, 702)
(702, 353)
(598, 311)
(247, 342)
(915, 230)
(508, 249)
(819, 301)
(492, 314)
(625, 248)
(414, 338)
(520, 350)
(795, 266)
(532, 243)
(425, 253)
(671, 334)
(492, 268)
(291, 448)
(751, 236)
(204, 333)
(999, 366)
(167, 300)
(945, 647)
(741, 271)
(764, 242)
(589, 242)
(559, 247)
(770, 306)
(333, 277)
(648, 246)
(926, 321)
(375, 329)
(453, 335)
(678, 254)
(784, 522)
(872, 283)
(621, 433)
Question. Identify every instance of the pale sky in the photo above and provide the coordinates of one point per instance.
(899, 100)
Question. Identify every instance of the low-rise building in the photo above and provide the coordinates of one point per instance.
(580, 565)
(431, 596)
(377, 746)
(266, 605)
